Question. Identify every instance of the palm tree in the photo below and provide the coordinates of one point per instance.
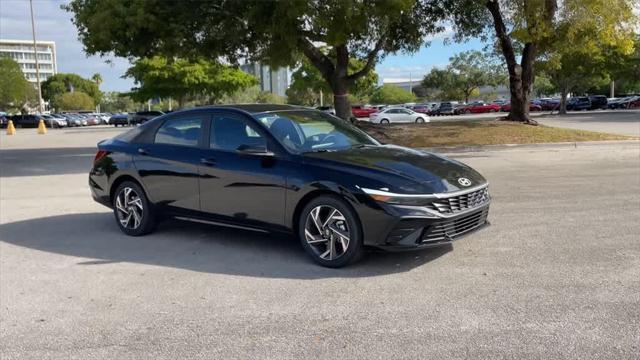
(97, 78)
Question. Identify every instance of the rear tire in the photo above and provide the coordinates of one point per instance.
(133, 211)
(329, 231)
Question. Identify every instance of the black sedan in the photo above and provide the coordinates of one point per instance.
(287, 169)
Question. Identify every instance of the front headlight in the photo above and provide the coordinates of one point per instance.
(399, 199)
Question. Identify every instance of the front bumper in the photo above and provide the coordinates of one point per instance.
(415, 233)
(398, 228)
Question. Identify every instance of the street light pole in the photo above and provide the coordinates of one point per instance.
(35, 54)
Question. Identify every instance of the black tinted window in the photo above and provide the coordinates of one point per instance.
(180, 131)
(229, 133)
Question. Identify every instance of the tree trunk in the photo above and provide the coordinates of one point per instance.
(336, 75)
(340, 84)
(520, 75)
(342, 106)
(563, 101)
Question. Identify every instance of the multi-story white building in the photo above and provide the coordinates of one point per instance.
(275, 81)
(22, 52)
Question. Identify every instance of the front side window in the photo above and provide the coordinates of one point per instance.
(184, 131)
(308, 131)
(232, 133)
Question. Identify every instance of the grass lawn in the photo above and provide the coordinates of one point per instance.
(484, 132)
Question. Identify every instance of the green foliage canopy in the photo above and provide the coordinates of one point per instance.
(307, 83)
(463, 77)
(179, 78)
(591, 45)
(61, 83)
(541, 29)
(391, 94)
(276, 32)
(76, 100)
(15, 90)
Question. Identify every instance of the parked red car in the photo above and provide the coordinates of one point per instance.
(361, 111)
(480, 107)
(532, 107)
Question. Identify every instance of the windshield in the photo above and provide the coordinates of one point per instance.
(303, 131)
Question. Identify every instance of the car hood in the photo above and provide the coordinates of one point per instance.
(433, 173)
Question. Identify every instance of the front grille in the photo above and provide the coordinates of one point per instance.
(451, 229)
(456, 204)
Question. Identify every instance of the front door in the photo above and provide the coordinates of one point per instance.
(239, 182)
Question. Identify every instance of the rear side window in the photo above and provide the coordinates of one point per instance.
(184, 131)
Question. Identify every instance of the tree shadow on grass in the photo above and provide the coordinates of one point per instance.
(195, 247)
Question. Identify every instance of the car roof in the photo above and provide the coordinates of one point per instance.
(249, 108)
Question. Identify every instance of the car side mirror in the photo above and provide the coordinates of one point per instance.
(254, 150)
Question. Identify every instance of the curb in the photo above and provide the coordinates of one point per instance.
(548, 146)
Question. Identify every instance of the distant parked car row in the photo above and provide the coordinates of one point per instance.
(76, 119)
(629, 102)
(57, 120)
(576, 103)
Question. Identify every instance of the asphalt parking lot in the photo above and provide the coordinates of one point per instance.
(557, 275)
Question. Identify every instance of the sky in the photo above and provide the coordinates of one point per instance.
(54, 24)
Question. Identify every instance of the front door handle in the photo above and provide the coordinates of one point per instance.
(208, 161)
(143, 151)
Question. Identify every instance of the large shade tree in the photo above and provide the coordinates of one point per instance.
(463, 77)
(76, 100)
(589, 49)
(527, 30)
(307, 83)
(277, 32)
(160, 77)
(61, 83)
(15, 90)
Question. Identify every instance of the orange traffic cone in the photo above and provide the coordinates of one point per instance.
(41, 128)
(11, 130)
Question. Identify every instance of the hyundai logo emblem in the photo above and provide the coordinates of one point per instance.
(464, 181)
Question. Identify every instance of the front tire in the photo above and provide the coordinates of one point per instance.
(132, 210)
(384, 122)
(329, 230)
(419, 120)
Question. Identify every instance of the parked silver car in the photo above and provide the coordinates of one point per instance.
(398, 115)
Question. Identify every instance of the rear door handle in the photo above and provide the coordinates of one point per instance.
(143, 151)
(208, 161)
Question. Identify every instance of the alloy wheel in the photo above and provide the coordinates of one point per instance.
(129, 208)
(327, 232)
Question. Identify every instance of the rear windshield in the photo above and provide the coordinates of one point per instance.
(129, 136)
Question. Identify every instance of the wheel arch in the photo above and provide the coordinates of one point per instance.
(341, 193)
(119, 180)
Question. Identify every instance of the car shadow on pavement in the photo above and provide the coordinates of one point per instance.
(196, 247)
(47, 161)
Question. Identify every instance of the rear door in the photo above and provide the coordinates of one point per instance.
(168, 163)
